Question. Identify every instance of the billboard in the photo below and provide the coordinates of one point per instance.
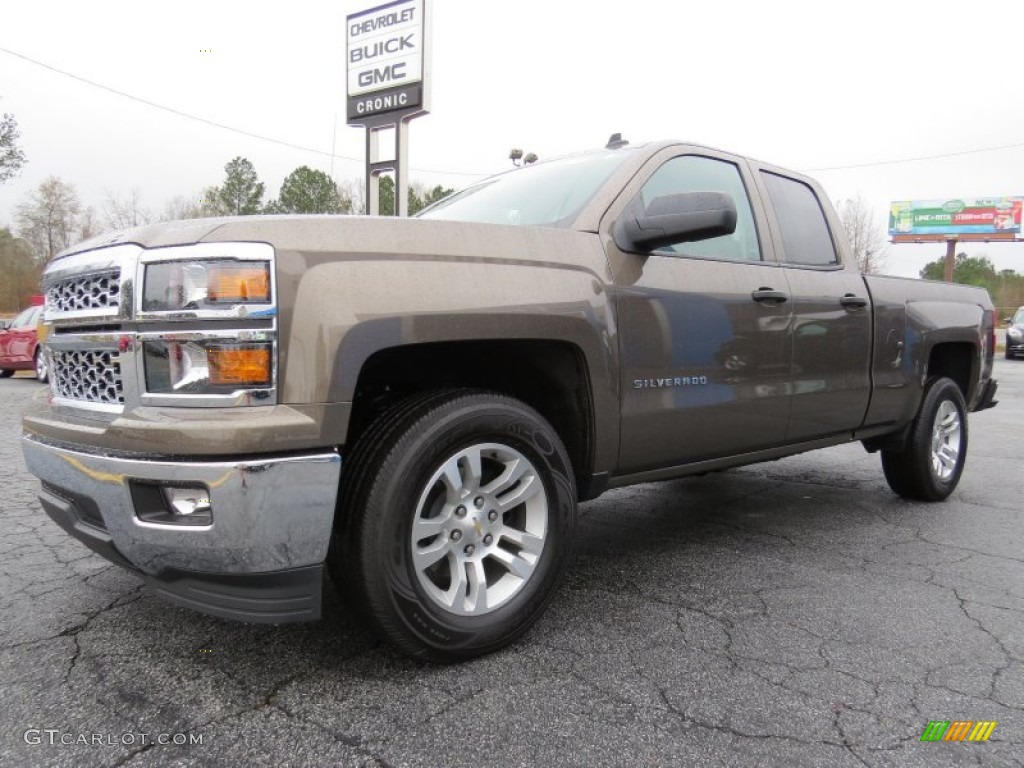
(384, 53)
(957, 216)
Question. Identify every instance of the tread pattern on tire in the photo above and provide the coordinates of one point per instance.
(386, 439)
(355, 480)
(907, 472)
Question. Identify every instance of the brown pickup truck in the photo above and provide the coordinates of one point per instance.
(239, 407)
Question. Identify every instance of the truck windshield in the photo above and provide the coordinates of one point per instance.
(549, 194)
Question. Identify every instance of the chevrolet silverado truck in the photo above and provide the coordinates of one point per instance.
(242, 407)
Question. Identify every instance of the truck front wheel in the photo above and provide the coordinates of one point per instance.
(456, 523)
(930, 465)
(42, 371)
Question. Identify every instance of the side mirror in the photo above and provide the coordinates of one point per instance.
(681, 218)
(1008, 321)
(4, 325)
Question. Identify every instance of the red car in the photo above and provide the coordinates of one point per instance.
(19, 345)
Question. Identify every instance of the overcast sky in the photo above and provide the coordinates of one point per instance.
(813, 86)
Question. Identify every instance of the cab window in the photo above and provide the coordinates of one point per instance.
(694, 173)
(805, 233)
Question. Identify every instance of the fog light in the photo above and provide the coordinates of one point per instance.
(172, 505)
(189, 501)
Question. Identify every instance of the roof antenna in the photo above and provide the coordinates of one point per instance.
(616, 141)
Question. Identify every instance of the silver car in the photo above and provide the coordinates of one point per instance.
(1015, 334)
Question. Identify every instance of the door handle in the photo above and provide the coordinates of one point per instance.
(850, 301)
(768, 296)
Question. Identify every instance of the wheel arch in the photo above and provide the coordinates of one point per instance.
(551, 376)
(956, 360)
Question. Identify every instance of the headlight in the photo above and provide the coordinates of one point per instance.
(1014, 333)
(207, 325)
(207, 367)
(207, 284)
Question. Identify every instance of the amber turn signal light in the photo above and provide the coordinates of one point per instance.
(239, 366)
(239, 283)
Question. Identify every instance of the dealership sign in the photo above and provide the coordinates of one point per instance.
(385, 53)
(959, 216)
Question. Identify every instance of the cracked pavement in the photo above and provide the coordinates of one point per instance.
(795, 613)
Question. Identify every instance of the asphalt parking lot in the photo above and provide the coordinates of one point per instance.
(788, 614)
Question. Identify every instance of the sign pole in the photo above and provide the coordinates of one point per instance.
(372, 178)
(398, 165)
(402, 168)
(950, 259)
(388, 72)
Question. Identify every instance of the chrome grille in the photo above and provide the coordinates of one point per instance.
(90, 375)
(85, 292)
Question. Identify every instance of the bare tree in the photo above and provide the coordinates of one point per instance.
(180, 207)
(210, 203)
(49, 219)
(353, 191)
(204, 205)
(88, 224)
(866, 236)
(125, 212)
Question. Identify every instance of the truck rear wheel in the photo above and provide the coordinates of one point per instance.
(930, 465)
(456, 523)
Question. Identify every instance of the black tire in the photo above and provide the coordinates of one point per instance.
(395, 488)
(355, 478)
(930, 465)
(6, 373)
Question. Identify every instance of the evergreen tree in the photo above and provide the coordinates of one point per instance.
(241, 194)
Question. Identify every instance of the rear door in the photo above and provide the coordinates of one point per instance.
(702, 327)
(832, 321)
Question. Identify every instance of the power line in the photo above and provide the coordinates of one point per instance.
(301, 148)
(205, 121)
(916, 159)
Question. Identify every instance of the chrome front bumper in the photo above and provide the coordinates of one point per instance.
(261, 558)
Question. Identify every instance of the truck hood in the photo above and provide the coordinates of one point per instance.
(371, 236)
(151, 235)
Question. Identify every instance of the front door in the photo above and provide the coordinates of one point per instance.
(703, 332)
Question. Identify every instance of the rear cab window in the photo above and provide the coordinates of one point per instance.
(806, 237)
